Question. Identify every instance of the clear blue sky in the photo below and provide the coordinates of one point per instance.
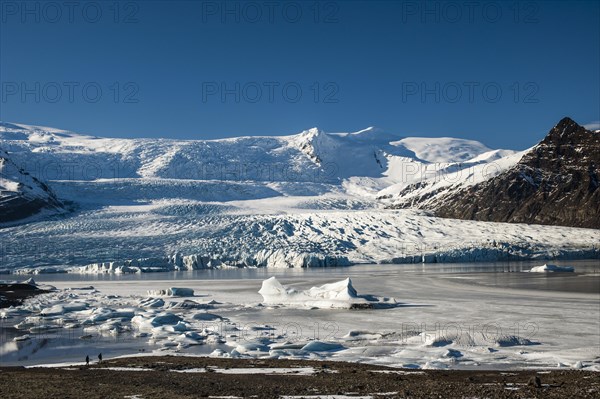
(170, 69)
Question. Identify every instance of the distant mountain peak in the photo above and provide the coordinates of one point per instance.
(566, 127)
(313, 131)
(555, 182)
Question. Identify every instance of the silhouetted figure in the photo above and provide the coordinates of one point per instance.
(87, 360)
(100, 358)
(535, 381)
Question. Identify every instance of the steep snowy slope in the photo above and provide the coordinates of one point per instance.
(22, 195)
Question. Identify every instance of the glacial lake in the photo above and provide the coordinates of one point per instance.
(492, 315)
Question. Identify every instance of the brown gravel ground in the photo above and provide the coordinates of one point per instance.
(331, 378)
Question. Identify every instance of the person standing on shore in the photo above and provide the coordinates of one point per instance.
(87, 360)
(100, 358)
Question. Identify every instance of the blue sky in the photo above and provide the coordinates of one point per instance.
(499, 72)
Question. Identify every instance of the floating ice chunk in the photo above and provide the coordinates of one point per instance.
(173, 291)
(340, 294)
(194, 335)
(26, 337)
(165, 318)
(12, 312)
(111, 326)
(152, 303)
(188, 304)
(551, 268)
(453, 353)
(251, 347)
(179, 327)
(103, 314)
(53, 310)
(42, 328)
(63, 308)
(341, 290)
(287, 345)
(204, 316)
(100, 314)
(157, 324)
(320, 346)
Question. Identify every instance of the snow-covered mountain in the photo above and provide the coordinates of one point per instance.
(361, 163)
(309, 199)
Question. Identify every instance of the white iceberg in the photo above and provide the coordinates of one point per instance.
(551, 268)
(165, 319)
(62, 308)
(340, 294)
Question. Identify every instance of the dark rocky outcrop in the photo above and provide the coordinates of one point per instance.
(22, 195)
(557, 182)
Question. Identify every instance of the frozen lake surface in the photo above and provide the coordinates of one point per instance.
(488, 315)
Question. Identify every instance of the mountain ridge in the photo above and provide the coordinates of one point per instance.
(556, 182)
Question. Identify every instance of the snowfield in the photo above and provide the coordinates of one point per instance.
(312, 199)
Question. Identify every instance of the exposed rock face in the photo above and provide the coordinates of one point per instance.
(22, 195)
(557, 182)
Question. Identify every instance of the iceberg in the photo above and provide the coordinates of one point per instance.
(551, 268)
(340, 295)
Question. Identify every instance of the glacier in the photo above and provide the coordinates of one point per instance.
(311, 199)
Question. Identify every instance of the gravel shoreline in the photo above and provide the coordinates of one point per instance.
(192, 377)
